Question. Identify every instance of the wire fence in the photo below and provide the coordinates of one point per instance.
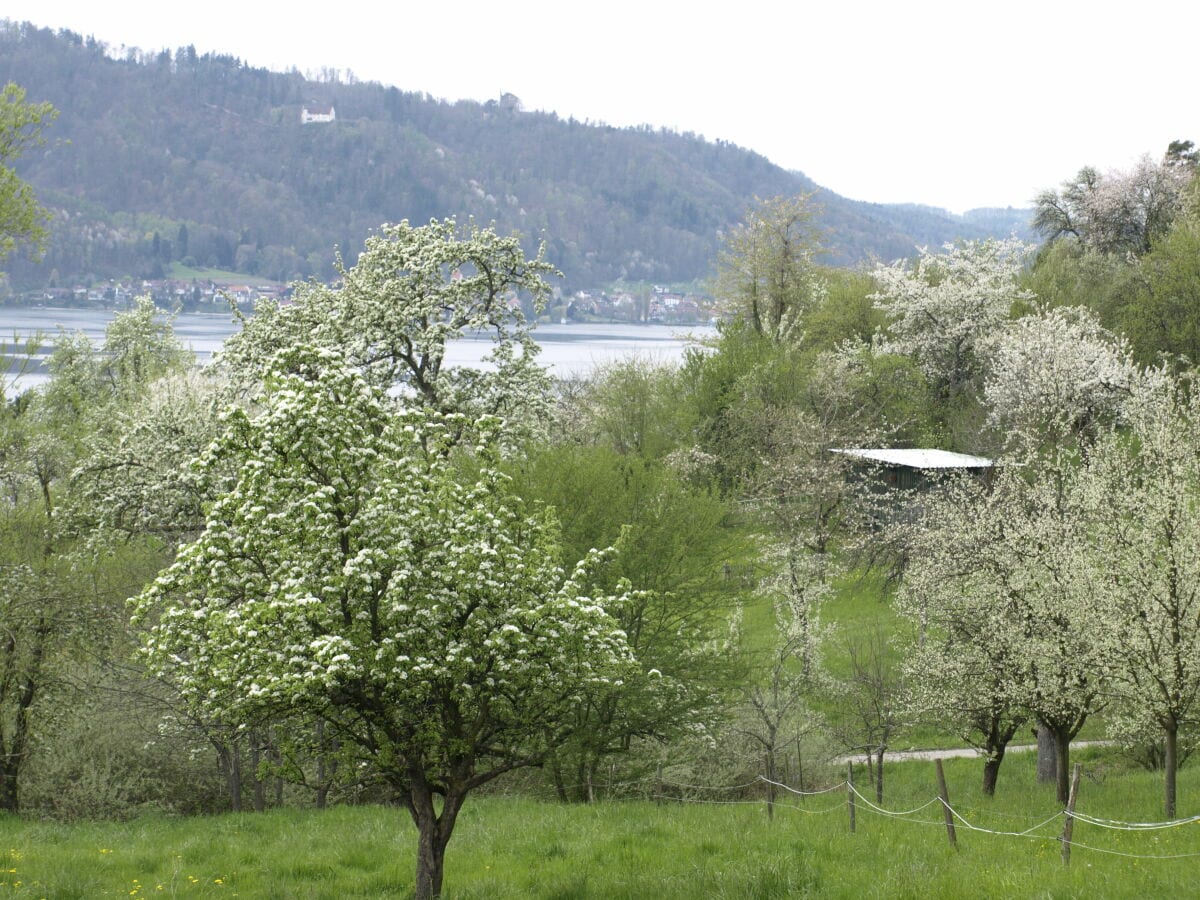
(788, 799)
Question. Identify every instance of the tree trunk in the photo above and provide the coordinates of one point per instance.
(12, 755)
(1047, 761)
(879, 774)
(9, 802)
(991, 769)
(433, 832)
(560, 786)
(799, 769)
(770, 766)
(431, 857)
(229, 761)
(1171, 764)
(1062, 758)
(326, 765)
(260, 792)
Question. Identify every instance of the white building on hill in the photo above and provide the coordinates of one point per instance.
(308, 115)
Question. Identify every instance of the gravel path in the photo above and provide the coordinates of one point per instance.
(953, 753)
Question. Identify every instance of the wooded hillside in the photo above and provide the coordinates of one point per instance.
(170, 156)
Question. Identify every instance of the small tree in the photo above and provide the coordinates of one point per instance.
(766, 270)
(869, 701)
(775, 712)
(21, 123)
(353, 574)
(673, 542)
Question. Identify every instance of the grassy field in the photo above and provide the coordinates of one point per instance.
(518, 848)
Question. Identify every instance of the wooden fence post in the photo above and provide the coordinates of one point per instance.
(850, 792)
(1069, 823)
(945, 797)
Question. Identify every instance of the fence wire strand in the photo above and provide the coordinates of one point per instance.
(1028, 832)
(792, 790)
(1117, 825)
(893, 813)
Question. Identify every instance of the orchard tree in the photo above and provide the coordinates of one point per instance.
(1143, 491)
(1055, 378)
(868, 700)
(355, 574)
(131, 480)
(775, 712)
(964, 669)
(140, 346)
(1119, 211)
(942, 306)
(999, 592)
(413, 290)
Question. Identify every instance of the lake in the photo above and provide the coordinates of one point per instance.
(568, 350)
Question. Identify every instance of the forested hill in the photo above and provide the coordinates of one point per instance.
(170, 157)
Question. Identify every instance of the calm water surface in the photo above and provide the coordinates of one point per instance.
(568, 350)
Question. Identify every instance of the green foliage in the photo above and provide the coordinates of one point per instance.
(21, 124)
(844, 313)
(106, 756)
(675, 542)
(1163, 317)
(635, 407)
(1065, 273)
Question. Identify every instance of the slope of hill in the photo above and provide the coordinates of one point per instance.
(173, 156)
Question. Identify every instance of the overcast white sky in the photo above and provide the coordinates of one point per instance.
(956, 104)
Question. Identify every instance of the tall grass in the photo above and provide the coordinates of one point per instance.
(511, 847)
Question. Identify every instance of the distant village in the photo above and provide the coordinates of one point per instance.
(659, 305)
(653, 305)
(191, 295)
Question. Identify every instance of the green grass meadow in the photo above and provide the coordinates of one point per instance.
(516, 848)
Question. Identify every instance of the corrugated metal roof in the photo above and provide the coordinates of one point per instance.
(920, 459)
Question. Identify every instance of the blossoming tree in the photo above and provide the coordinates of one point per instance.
(1001, 592)
(1056, 378)
(941, 307)
(355, 574)
(412, 290)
